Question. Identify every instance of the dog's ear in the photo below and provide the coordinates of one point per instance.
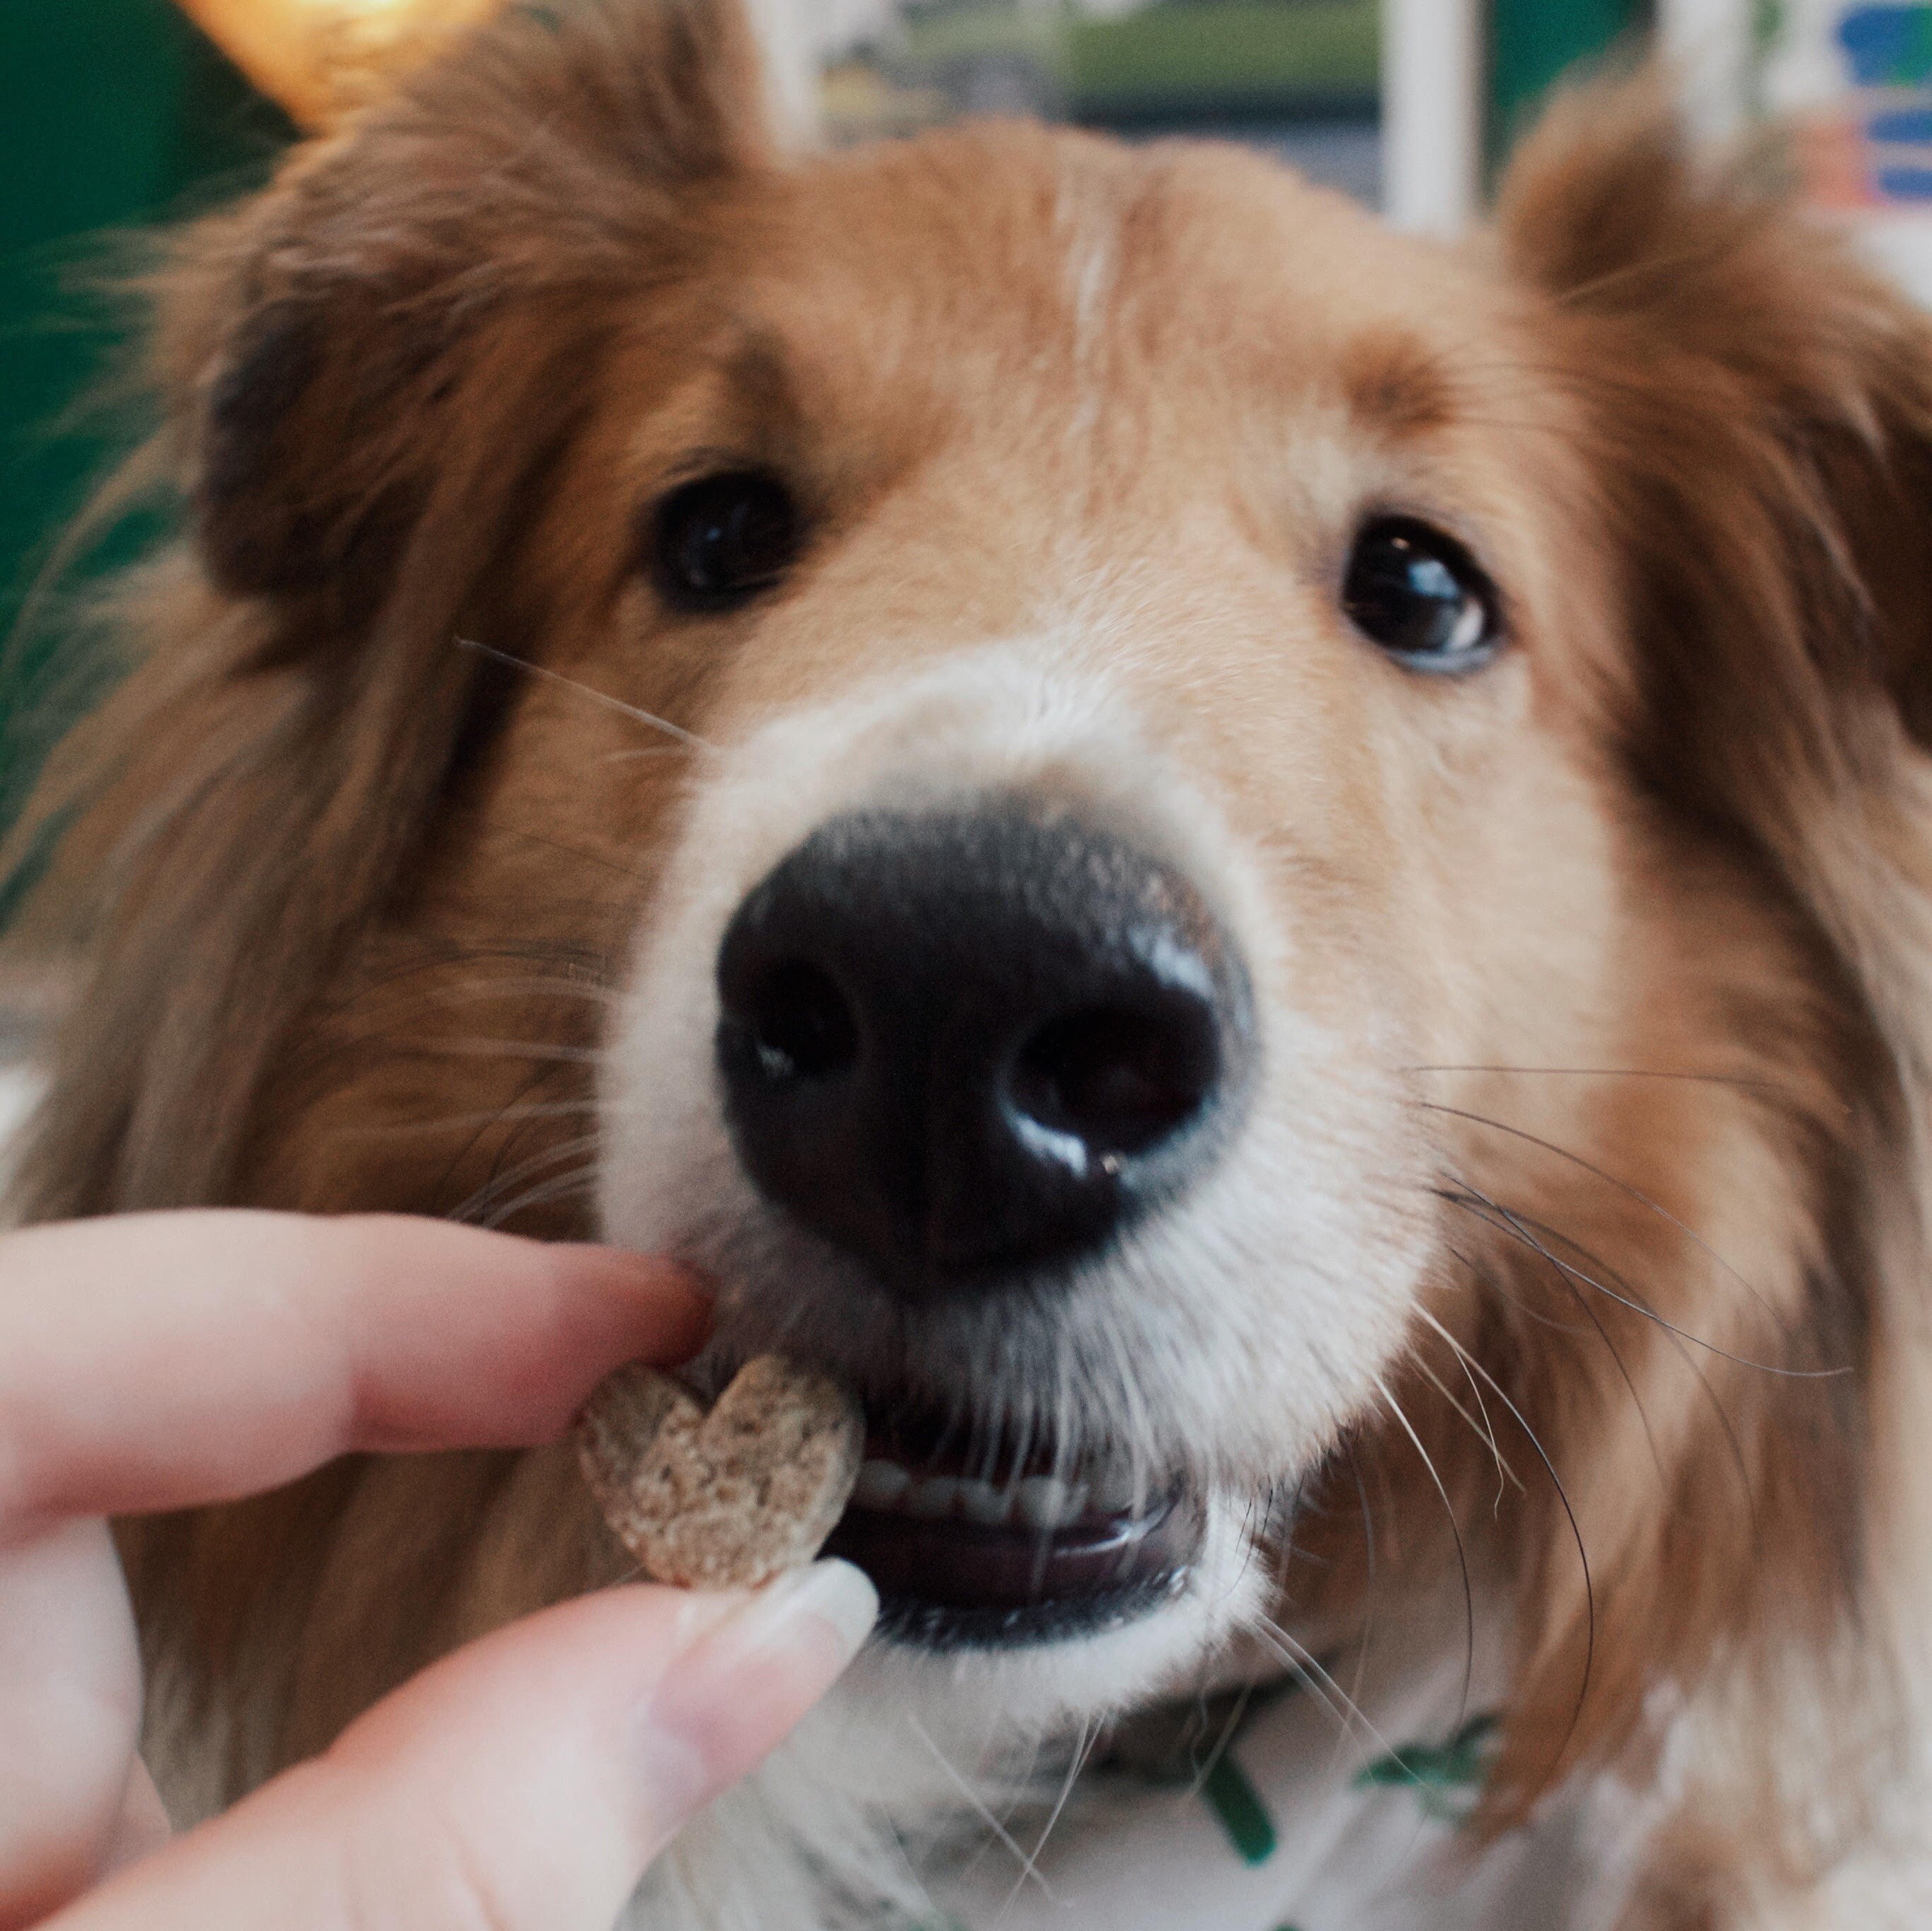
(369, 366)
(1759, 406)
(317, 347)
(1755, 408)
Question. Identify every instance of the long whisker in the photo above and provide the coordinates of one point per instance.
(607, 864)
(570, 1187)
(1563, 1498)
(1624, 1187)
(1568, 1278)
(534, 1164)
(1371, 1591)
(1306, 1664)
(1461, 1552)
(1230, 1728)
(524, 989)
(977, 1803)
(590, 692)
(1352, 1696)
(519, 1049)
(547, 985)
(1483, 1432)
(492, 1115)
(1509, 1222)
(1516, 1302)
(1622, 1072)
(1340, 1708)
(538, 1077)
(1029, 1870)
(1678, 1344)
(582, 975)
(1464, 1359)
(486, 1197)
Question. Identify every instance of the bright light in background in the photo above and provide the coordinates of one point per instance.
(320, 59)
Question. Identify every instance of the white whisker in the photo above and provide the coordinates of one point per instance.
(546, 1196)
(1461, 1555)
(1089, 1731)
(494, 1115)
(595, 696)
(1304, 1663)
(979, 1805)
(1484, 1433)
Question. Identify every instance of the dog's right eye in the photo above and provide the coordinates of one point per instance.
(716, 543)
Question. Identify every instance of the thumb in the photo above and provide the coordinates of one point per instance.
(523, 1782)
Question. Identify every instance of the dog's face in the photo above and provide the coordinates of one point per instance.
(1130, 673)
(1140, 664)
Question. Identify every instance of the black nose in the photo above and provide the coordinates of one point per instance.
(961, 1045)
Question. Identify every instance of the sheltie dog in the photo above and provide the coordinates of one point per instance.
(1273, 881)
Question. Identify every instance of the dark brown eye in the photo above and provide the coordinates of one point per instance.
(717, 542)
(1421, 596)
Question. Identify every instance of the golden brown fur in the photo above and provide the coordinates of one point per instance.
(359, 893)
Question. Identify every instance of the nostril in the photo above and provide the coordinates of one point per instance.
(1118, 1080)
(800, 1025)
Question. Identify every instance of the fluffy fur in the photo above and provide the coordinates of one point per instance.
(1576, 1245)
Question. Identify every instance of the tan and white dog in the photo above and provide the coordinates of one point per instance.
(1274, 882)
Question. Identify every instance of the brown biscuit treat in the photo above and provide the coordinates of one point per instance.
(725, 1499)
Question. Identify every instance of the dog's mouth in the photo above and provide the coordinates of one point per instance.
(970, 1552)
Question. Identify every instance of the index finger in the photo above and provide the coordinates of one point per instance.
(155, 1361)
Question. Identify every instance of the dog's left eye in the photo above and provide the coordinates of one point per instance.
(719, 541)
(1421, 596)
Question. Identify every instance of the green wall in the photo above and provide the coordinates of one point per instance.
(113, 114)
(1533, 42)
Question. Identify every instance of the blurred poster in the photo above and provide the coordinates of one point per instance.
(1299, 75)
(1858, 78)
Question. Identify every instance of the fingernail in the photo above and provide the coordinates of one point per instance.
(840, 1596)
(733, 1694)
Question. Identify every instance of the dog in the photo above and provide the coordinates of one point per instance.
(1273, 881)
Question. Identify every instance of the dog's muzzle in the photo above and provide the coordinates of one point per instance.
(969, 1051)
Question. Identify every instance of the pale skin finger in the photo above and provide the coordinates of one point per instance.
(76, 1801)
(524, 1783)
(70, 1713)
(157, 1361)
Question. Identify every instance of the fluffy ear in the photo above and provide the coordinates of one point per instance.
(1761, 407)
(1758, 407)
(369, 366)
(317, 348)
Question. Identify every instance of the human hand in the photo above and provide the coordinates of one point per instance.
(154, 1362)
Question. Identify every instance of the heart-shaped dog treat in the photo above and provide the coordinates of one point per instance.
(726, 1499)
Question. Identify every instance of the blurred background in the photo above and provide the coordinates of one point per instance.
(117, 114)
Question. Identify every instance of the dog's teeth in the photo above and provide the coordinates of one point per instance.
(1044, 1503)
(1038, 1502)
(879, 1484)
(981, 1502)
(932, 1498)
